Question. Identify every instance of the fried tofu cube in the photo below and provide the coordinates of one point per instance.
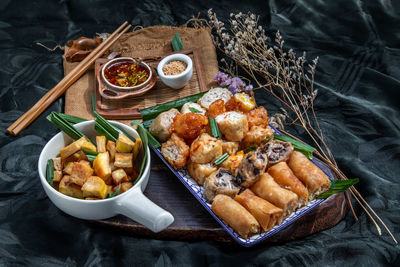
(119, 176)
(75, 157)
(57, 176)
(94, 187)
(89, 146)
(57, 164)
(111, 149)
(85, 162)
(124, 144)
(72, 148)
(136, 149)
(102, 167)
(68, 168)
(80, 172)
(123, 160)
(230, 147)
(101, 143)
(109, 190)
(124, 187)
(67, 187)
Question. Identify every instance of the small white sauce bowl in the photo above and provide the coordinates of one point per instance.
(132, 203)
(180, 80)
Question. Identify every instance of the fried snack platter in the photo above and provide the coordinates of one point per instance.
(222, 150)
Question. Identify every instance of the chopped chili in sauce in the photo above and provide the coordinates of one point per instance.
(126, 74)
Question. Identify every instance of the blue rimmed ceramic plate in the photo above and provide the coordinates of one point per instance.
(197, 192)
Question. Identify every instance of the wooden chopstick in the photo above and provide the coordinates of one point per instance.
(66, 82)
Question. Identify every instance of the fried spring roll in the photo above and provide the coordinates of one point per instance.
(284, 176)
(265, 213)
(269, 190)
(235, 215)
(313, 177)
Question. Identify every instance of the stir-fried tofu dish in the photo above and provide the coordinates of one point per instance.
(251, 181)
(92, 172)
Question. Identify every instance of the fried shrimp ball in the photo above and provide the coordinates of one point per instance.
(189, 125)
(258, 117)
(217, 107)
(175, 151)
(205, 149)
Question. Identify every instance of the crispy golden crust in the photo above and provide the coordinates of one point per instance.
(313, 177)
(258, 117)
(235, 215)
(257, 135)
(205, 149)
(266, 213)
(175, 151)
(284, 176)
(199, 172)
(233, 125)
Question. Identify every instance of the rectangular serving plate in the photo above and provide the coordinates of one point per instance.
(197, 192)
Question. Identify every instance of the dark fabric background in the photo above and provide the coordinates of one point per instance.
(358, 77)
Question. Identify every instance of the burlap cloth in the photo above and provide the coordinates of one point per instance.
(152, 41)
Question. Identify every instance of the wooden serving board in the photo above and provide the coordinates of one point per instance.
(129, 108)
(193, 222)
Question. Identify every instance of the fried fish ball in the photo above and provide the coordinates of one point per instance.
(257, 116)
(217, 107)
(199, 172)
(175, 151)
(186, 108)
(159, 128)
(257, 135)
(233, 125)
(214, 94)
(205, 149)
(189, 126)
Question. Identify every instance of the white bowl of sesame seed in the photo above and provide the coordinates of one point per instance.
(175, 70)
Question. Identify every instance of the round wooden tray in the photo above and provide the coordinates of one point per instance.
(193, 222)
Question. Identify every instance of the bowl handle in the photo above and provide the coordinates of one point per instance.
(139, 208)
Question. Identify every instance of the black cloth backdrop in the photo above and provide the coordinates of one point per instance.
(358, 43)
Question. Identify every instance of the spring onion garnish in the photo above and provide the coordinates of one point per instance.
(65, 126)
(143, 151)
(152, 141)
(70, 118)
(221, 159)
(146, 124)
(250, 148)
(177, 42)
(338, 186)
(50, 172)
(194, 110)
(115, 193)
(299, 146)
(104, 127)
(152, 112)
(91, 155)
(214, 128)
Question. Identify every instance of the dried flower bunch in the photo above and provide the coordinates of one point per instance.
(287, 77)
(234, 84)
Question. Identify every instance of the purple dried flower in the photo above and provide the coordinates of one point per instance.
(248, 88)
(226, 82)
(221, 77)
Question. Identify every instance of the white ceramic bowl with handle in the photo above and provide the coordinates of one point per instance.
(180, 80)
(132, 203)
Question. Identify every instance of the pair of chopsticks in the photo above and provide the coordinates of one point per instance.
(29, 116)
